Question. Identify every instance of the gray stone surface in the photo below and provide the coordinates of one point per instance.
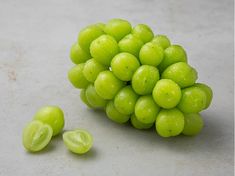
(35, 38)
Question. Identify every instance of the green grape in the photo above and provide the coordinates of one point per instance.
(125, 100)
(172, 54)
(139, 125)
(93, 98)
(114, 115)
(101, 26)
(103, 49)
(107, 85)
(118, 28)
(146, 109)
(87, 35)
(36, 136)
(91, 69)
(151, 54)
(76, 77)
(78, 55)
(130, 44)
(169, 122)
(182, 73)
(166, 93)
(53, 116)
(84, 98)
(193, 100)
(144, 79)
(78, 141)
(162, 40)
(124, 66)
(144, 32)
(193, 124)
(208, 91)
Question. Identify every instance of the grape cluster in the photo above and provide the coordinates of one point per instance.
(134, 75)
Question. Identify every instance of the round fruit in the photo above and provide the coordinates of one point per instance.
(182, 73)
(143, 32)
(139, 125)
(193, 100)
(103, 49)
(84, 98)
(78, 141)
(193, 124)
(114, 115)
(166, 93)
(53, 116)
(78, 55)
(144, 79)
(151, 54)
(107, 85)
(208, 91)
(124, 65)
(162, 41)
(170, 122)
(125, 100)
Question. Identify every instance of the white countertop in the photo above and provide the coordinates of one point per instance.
(35, 38)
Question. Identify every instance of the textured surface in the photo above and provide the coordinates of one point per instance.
(35, 37)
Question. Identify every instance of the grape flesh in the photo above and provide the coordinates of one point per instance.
(36, 136)
(107, 85)
(166, 93)
(78, 141)
(193, 124)
(170, 122)
(146, 109)
(125, 100)
(53, 116)
(114, 115)
(124, 65)
(181, 73)
(144, 79)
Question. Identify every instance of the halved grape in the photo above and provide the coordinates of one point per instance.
(144, 79)
(93, 98)
(53, 116)
(103, 49)
(139, 125)
(107, 85)
(144, 32)
(36, 136)
(162, 41)
(91, 69)
(193, 100)
(76, 76)
(78, 141)
(114, 115)
(84, 98)
(146, 109)
(118, 28)
(208, 91)
(87, 35)
(151, 54)
(193, 124)
(125, 100)
(182, 73)
(169, 122)
(78, 55)
(166, 93)
(130, 44)
(172, 54)
(124, 66)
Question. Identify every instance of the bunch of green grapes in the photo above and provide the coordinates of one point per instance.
(135, 75)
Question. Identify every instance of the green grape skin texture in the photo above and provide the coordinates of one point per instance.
(162, 41)
(208, 91)
(124, 65)
(84, 98)
(139, 125)
(114, 115)
(53, 116)
(78, 55)
(144, 32)
(193, 124)
(144, 79)
(36, 136)
(170, 122)
(78, 141)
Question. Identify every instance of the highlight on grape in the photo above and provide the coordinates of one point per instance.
(136, 76)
